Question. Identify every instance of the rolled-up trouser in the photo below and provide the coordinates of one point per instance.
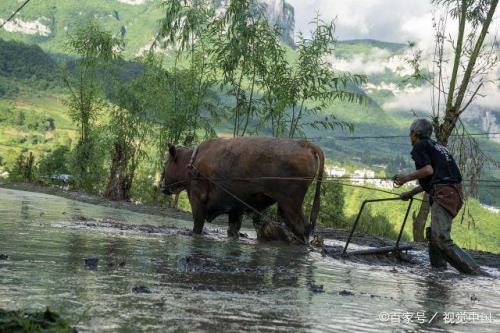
(440, 235)
(440, 224)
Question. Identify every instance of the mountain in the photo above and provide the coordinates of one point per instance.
(47, 23)
(26, 61)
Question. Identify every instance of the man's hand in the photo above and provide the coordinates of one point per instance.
(406, 195)
(400, 179)
(426, 171)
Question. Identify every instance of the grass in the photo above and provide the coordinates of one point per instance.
(41, 321)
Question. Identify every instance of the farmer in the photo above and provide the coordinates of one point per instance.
(439, 176)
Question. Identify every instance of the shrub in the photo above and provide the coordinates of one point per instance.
(56, 162)
(38, 122)
(86, 165)
(24, 168)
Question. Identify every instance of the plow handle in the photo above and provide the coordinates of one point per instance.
(361, 211)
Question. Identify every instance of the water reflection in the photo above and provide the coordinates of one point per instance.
(24, 213)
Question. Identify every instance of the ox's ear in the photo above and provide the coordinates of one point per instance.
(171, 150)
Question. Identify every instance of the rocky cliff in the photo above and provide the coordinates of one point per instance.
(47, 24)
(282, 14)
(279, 13)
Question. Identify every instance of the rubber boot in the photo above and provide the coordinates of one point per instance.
(436, 257)
(461, 260)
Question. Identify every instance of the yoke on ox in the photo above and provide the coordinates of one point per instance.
(245, 176)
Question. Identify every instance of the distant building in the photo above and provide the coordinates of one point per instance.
(335, 172)
(362, 174)
(491, 208)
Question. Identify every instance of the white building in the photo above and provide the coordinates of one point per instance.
(332, 171)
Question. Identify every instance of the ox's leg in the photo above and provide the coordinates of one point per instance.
(293, 215)
(198, 214)
(235, 218)
(197, 195)
(199, 221)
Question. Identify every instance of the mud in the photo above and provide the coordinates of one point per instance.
(213, 283)
(403, 259)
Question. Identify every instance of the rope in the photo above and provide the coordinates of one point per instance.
(228, 192)
(14, 14)
(387, 136)
(174, 184)
(326, 178)
(213, 181)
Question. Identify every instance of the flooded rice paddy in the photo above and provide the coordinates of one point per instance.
(111, 270)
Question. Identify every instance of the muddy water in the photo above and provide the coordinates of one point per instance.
(210, 283)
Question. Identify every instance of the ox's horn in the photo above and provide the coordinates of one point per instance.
(171, 149)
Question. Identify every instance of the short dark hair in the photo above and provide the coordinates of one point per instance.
(422, 127)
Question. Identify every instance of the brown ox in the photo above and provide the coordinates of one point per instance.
(245, 175)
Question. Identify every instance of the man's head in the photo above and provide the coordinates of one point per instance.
(420, 129)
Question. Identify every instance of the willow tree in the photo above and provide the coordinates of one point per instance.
(311, 83)
(471, 58)
(239, 52)
(127, 131)
(268, 89)
(95, 49)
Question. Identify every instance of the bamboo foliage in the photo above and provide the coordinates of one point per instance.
(269, 90)
(96, 49)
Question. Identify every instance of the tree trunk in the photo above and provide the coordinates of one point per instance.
(120, 176)
(420, 219)
(454, 103)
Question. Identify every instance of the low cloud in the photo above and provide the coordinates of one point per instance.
(376, 61)
(411, 99)
(420, 99)
(389, 20)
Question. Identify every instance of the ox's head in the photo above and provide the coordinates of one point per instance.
(175, 170)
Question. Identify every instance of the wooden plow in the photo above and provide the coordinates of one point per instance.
(384, 249)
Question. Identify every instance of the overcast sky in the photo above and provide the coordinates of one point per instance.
(387, 20)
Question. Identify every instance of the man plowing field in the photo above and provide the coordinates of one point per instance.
(438, 174)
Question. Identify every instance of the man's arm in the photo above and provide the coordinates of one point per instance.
(410, 194)
(419, 174)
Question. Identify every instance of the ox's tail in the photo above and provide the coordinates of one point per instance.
(317, 195)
